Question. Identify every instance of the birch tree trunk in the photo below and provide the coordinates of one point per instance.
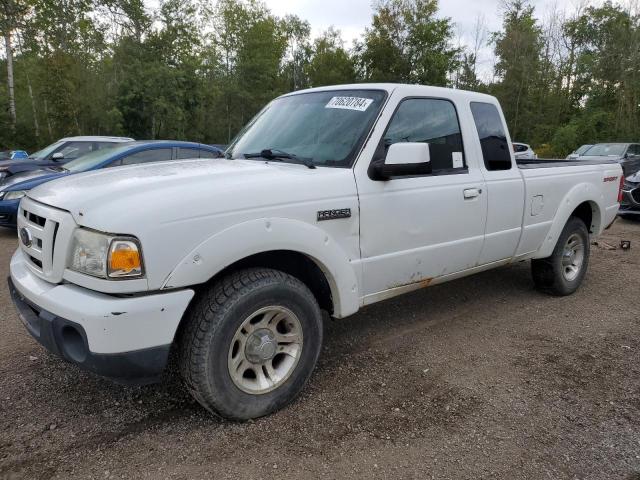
(12, 97)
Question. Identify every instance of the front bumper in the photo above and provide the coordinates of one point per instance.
(124, 338)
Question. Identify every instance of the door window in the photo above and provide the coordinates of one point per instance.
(493, 139)
(155, 155)
(432, 121)
(73, 150)
(184, 153)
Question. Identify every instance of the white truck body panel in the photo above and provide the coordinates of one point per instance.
(194, 218)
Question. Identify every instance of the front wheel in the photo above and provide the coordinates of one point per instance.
(251, 343)
(562, 273)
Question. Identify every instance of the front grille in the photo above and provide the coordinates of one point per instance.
(40, 228)
(635, 194)
(36, 262)
(33, 218)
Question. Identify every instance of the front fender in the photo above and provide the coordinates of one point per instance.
(581, 193)
(268, 234)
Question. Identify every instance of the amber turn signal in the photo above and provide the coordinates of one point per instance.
(124, 259)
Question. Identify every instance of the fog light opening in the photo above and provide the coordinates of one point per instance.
(73, 344)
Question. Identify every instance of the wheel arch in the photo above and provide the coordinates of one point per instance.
(300, 249)
(579, 202)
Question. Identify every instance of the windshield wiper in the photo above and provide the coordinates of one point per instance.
(275, 154)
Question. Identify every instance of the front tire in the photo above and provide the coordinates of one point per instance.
(563, 272)
(251, 343)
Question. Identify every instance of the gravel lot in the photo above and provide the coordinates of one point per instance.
(479, 378)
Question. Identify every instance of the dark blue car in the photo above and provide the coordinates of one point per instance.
(13, 188)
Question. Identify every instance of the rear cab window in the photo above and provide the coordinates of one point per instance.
(496, 151)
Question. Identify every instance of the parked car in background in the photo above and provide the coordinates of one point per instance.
(626, 154)
(578, 152)
(630, 205)
(58, 153)
(13, 155)
(522, 150)
(12, 189)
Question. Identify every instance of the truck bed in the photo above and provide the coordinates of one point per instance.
(525, 163)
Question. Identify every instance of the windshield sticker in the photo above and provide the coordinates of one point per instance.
(350, 103)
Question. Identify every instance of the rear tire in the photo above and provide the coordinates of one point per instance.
(562, 273)
(251, 343)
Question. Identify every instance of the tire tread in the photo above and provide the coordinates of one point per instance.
(207, 316)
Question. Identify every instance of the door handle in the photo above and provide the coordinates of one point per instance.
(471, 192)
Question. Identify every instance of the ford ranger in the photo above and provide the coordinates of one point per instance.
(330, 199)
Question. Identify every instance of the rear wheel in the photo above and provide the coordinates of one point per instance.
(251, 343)
(562, 272)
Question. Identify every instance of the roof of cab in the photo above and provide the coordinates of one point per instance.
(411, 89)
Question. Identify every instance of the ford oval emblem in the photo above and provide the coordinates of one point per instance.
(25, 237)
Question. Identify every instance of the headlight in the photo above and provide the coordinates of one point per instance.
(15, 195)
(629, 186)
(105, 256)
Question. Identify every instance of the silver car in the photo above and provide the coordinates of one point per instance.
(627, 154)
(578, 152)
(522, 150)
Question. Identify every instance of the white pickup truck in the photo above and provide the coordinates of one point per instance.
(330, 199)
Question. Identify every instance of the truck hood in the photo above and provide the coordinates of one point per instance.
(114, 200)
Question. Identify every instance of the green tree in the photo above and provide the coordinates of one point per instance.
(330, 63)
(408, 43)
(518, 49)
(296, 32)
(607, 76)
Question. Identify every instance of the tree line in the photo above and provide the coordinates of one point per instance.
(198, 70)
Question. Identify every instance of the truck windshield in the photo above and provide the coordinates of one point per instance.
(582, 149)
(607, 149)
(327, 128)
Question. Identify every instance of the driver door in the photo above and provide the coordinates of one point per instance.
(414, 229)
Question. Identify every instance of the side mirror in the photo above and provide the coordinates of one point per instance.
(404, 159)
(57, 156)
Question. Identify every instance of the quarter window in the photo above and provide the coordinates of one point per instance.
(493, 139)
(432, 121)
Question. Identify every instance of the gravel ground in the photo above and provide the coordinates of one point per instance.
(479, 378)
